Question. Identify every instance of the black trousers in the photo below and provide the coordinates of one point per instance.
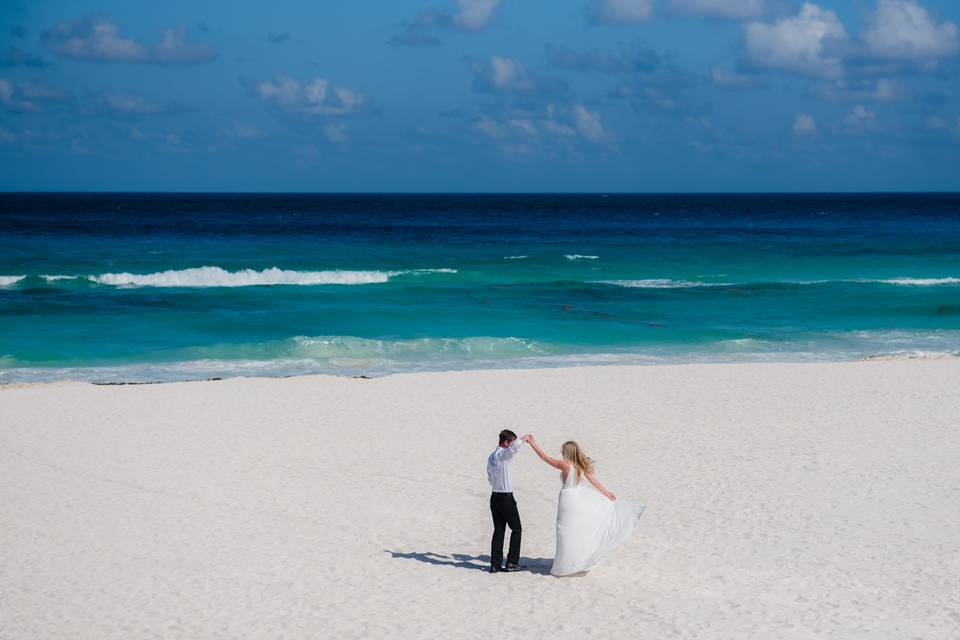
(503, 508)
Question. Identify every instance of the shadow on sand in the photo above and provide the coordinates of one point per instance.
(539, 566)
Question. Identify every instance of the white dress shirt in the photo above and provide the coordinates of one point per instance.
(498, 467)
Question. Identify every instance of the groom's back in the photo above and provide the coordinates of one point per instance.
(498, 463)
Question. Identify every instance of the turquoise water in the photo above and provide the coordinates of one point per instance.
(148, 287)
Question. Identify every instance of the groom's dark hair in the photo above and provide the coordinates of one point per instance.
(506, 435)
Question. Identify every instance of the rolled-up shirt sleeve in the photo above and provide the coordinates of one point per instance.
(511, 450)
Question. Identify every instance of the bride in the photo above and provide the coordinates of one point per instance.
(590, 523)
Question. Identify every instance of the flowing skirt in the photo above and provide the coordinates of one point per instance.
(589, 527)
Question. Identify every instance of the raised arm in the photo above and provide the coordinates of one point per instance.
(593, 480)
(553, 462)
(509, 451)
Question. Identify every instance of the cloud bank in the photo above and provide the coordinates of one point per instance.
(97, 39)
(314, 97)
(469, 16)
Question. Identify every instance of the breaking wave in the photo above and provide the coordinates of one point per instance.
(218, 277)
(6, 281)
(666, 283)
(661, 283)
(916, 282)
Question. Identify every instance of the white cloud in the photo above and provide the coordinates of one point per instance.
(803, 43)
(28, 96)
(804, 125)
(527, 130)
(905, 30)
(7, 99)
(175, 47)
(622, 11)
(502, 74)
(860, 119)
(589, 125)
(936, 123)
(490, 128)
(336, 132)
(725, 9)
(514, 137)
(172, 138)
(94, 39)
(559, 129)
(468, 16)
(508, 74)
(98, 39)
(524, 126)
(316, 97)
(552, 126)
(475, 15)
(166, 141)
(879, 90)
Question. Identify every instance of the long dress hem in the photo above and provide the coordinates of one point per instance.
(589, 526)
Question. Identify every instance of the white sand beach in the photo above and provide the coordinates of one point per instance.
(783, 501)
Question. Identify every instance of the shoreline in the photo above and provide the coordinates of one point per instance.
(891, 357)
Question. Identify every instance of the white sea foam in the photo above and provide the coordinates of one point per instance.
(577, 256)
(339, 347)
(6, 281)
(665, 283)
(55, 278)
(218, 277)
(916, 354)
(743, 342)
(515, 257)
(351, 355)
(916, 282)
(662, 283)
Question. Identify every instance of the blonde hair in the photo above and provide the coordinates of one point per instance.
(575, 456)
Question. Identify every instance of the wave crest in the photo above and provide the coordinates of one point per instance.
(219, 277)
(662, 283)
(916, 282)
(6, 281)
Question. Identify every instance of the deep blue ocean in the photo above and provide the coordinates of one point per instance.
(147, 287)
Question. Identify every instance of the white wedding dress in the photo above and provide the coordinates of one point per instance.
(589, 526)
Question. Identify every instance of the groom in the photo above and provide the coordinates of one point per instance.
(502, 505)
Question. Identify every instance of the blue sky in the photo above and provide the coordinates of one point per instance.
(480, 95)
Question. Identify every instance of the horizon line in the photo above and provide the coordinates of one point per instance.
(477, 193)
